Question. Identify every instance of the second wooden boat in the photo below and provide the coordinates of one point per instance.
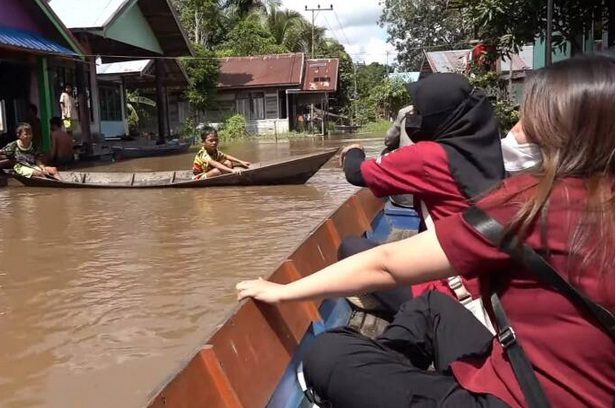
(293, 170)
(134, 152)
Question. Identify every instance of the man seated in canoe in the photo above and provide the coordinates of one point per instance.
(24, 156)
(211, 162)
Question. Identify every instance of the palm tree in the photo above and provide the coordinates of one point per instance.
(241, 8)
(288, 27)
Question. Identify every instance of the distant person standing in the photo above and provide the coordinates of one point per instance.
(68, 109)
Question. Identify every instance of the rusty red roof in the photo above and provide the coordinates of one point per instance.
(321, 75)
(261, 71)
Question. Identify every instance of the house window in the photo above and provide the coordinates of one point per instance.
(251, 105)
(242, 104)
(111, 103)
(271, 106)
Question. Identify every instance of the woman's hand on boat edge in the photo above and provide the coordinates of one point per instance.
(260, 289)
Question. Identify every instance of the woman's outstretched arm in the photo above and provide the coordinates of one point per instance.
(407, 262)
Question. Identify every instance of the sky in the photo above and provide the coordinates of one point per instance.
(352, 25)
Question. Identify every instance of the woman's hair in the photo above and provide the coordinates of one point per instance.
(23, 127)
(568, 110)
(208, 130)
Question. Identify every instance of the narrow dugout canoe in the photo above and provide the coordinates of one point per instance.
(294, 170)
(251, 359)
(126, 152)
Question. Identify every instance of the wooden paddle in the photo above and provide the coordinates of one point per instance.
(241, 164)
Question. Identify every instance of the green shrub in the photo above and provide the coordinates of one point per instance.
(234, 127)
(380, 127)
(496, 89)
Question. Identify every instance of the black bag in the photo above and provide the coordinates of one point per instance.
(533, 262)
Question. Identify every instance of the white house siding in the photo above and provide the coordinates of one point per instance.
(271, 124)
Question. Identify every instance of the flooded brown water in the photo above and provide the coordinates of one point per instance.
(104, 292)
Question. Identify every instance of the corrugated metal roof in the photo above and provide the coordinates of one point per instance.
(261, 71)
(86, 13)
(321, 75)
(32, 41)
(447, 61)
(141, 73)
(521, 61)
(456, 60)
(124, 67)
(92, 16)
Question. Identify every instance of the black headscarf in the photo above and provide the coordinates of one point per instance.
(453, 113)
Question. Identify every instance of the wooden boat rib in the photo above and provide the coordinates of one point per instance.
(250, 361)
(294, 170)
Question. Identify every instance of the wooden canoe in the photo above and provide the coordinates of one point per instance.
(251, 360)
(294, 170)
(135, 152)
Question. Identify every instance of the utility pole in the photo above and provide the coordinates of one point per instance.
(354, 116)
(387, 63)
(312, 10)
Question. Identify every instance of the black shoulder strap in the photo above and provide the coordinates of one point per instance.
(534, 263)
(522, 367)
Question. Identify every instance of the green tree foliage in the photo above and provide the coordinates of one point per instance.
(330, 48)
(290, 29)
(249, 37)
(495, 87)
(369, 77)
(415, 25)
(389, 97)
(510, 24)
(136, 106)
(203, 20)
(203, 72)
(240, 9)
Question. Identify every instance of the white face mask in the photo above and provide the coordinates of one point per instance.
(518, 157)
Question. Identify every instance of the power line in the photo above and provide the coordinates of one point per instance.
(191, 58)
(341, 29)
(312, 10)
(332, 30)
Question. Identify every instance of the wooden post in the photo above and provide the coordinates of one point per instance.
(167, 119)
(45, 101)
(289, 120)
(84, 111)
(160, 101)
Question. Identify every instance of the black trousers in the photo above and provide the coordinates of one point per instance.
(390, 299)
(348, 370)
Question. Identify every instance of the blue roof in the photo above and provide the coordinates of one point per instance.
(32, 41)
